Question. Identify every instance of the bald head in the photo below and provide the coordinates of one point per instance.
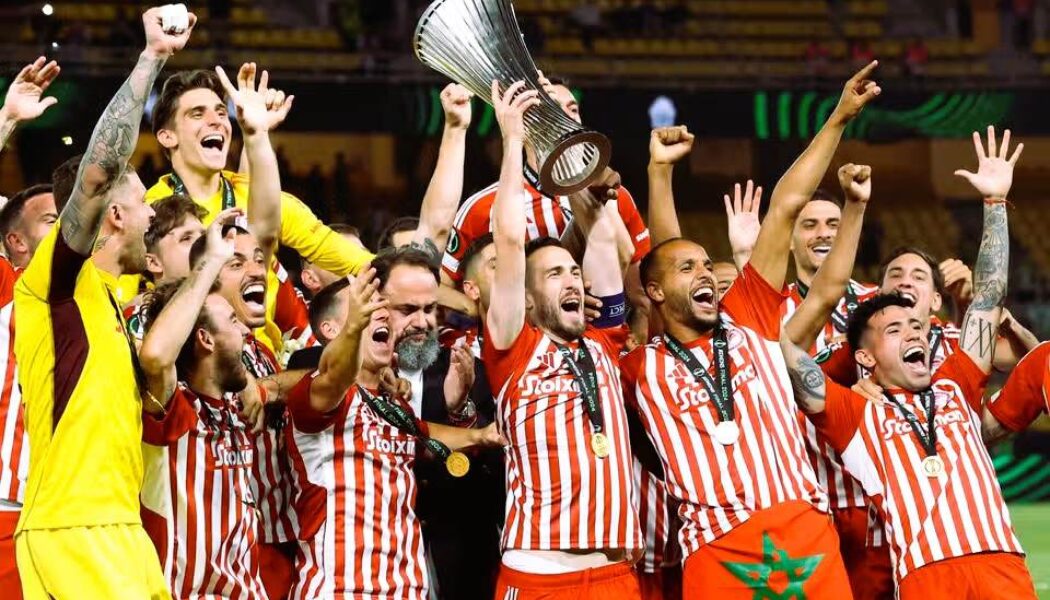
(678, 279)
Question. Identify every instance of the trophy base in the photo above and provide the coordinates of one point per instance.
(577, 159)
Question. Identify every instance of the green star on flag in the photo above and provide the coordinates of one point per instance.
(795, 572)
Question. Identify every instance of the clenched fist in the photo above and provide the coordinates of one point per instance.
(856, 182)
(668, 145)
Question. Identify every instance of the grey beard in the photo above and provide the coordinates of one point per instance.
(416, 356)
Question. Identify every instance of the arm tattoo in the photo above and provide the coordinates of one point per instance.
(989, 277)
(807, 381)
(108, 152)
(429, 248)
(989, 283)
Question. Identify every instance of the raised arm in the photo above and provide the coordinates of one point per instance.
(743, 221)
(993, 179)
(595, 213)
(169, 330)
(667, 146)
(23, 101)
(796, 187)
(807, 380)
(258, 110)
(115, 136)
(341, 358)
(446, 186)
(833, 276)
(1015, 341)
(506, 314)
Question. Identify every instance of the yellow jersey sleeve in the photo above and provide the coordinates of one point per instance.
(302, 231)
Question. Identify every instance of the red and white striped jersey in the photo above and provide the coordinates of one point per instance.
(14, 442)
(927, 519)
(843, 490)
(720, 486)
(560, 495)
(271, 472)
(290, 312)
(1026, 394)
(355, 498)
(197, 502)
(659, 524)
(134, 318)
(545, 217)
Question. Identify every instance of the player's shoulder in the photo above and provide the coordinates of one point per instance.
(477, 205)
(161, 189)
(633, 363)
(863, 291)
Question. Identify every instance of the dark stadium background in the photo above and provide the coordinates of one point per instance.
(755, 79)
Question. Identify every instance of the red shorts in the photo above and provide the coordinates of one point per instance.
(870, 570)
(786, 551)
(9, 582)
(989, 576)
(614, 582)
(277, 569)
(664, 584)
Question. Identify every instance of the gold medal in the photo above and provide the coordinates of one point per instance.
(457, 464)
(600, 444)
(933, 466)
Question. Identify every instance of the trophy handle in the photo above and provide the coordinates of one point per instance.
(555, 180)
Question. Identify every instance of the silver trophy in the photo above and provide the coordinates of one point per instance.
(474, 42)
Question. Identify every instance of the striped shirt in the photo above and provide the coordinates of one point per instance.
(838, 363)
(720, 486)
(272, 486)
(962, 512)
(197, 502)
(843, 490)
(560, 495)
(659, 525)
(355, 493)
(291, 314)
(14, 444)
(545, 217)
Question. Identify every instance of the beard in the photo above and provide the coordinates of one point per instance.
(549, 317)
(682, 310)
(417, 355)
(232, 374)
(133, 259)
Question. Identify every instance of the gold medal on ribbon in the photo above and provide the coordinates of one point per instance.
(933, 466)
(600, 444)
(457, 464)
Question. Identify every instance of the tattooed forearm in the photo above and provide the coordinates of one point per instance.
(107, 155)
(989, 274)
(989, 282)
(807, 378)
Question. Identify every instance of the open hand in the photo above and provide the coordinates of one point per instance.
(995, 173)
(856, 182)
(259, 109)
(218, 246)
(23, 101)
(668, 145)
(364, 301)
(742, 214)
(460, 378)
(869, 390)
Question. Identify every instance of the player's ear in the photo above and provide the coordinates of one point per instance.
(654, 292)
(205, 340)
(153, 265)
(529, 302)
(470, 290)
(936, 300)
(167, 139)
(864, 358)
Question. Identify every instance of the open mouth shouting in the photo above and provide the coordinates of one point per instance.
(572, 303)
(821, 249)
(907, 295)
(254, 295)
(915, 359)
(213, 147)
(704, 295)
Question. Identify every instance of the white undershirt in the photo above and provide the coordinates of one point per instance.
(553, 562)
(416, 379)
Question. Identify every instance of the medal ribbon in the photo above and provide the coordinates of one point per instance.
(929, 439)
(228, 199)
(841, 323)
(723, 394)
(936, 333)
(140, 375)
(396, 415)
(586, 375)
